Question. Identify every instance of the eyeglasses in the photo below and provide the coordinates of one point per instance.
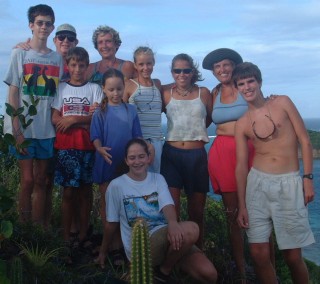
(41, 23)
(69, 38)
(184, 71)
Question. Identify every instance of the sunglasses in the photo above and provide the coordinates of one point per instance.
(41, 23)
(184, 71)
(69, 38)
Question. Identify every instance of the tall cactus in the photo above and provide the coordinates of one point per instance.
(16, 271)
(141, 264)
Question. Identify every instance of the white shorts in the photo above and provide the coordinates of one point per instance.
(277, 199)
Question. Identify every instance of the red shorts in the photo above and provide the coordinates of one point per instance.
(222, 163)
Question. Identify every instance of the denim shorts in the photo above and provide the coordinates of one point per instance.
(41, 149)
(185, 169)
(157, 144)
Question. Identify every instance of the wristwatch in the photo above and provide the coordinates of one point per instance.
(309, 176)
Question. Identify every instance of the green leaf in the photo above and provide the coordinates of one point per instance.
(32, 110)
(6, 228)
(25, 144)
(9, 139)
(10, 110)
(6, 203)
(22, 120)
(20, 110)
(36, 102)
(28, 123)
(26, 104)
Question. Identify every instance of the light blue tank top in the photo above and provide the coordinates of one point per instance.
(223, 113)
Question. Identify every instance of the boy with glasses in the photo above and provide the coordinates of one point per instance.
(34, 74)
(273, 194)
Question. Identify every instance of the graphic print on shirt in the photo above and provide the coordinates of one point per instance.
(76, 106)
(146, 207)
(40, 80)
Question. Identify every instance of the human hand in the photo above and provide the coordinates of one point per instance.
(175, 235)
(19, 140)
(242, 219)
(272, 97)
(24, 45)
(93, 108)
(103, 151)
(64, 123)
(308, 191)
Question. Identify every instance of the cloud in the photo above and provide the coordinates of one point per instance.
(281, 37)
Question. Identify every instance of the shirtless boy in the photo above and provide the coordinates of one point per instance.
(273, 194)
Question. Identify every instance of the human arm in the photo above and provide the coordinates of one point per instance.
(16, 126)
(108, 234)
(175, 232)
(103, 151)
(129, 89)
(128, 70)
(24, 45)
(206, 98)
(241, 172)
(67, 122)
(306, 147)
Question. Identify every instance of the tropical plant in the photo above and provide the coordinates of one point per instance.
(141, 265)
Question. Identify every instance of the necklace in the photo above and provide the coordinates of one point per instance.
(183, 93)
(108, 67)
(145, 106)
(265, 137)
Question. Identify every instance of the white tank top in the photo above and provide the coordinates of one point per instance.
(186, 120)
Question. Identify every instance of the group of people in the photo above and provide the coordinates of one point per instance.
(104, 121)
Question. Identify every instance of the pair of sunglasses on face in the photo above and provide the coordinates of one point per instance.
(46, 23)
(184, 71)
(70, 38)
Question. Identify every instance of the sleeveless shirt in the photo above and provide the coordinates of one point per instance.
(149, 107)
(97, 76)
(223, 113)
(186, 120)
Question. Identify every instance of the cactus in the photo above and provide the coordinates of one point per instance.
(16, 271)
(141, 264)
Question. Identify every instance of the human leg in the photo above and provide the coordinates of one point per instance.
(26, 189)
(84, 198)
(175, 194)
(48, 200)
(230, 201)
(39, 191)
(298, 268)
(196, 204)
(260, 253)
(199, 267)
(103, 189)
(163, 253)
(67, 210)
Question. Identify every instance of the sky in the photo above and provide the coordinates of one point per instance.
(282, 37)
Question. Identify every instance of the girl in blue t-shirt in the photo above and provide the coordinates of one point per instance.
(112, 127)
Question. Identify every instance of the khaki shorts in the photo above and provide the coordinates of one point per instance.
(277, 200)
(159, 246)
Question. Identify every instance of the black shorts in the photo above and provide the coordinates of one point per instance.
(187, 169)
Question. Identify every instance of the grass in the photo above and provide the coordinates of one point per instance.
(42, 252)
